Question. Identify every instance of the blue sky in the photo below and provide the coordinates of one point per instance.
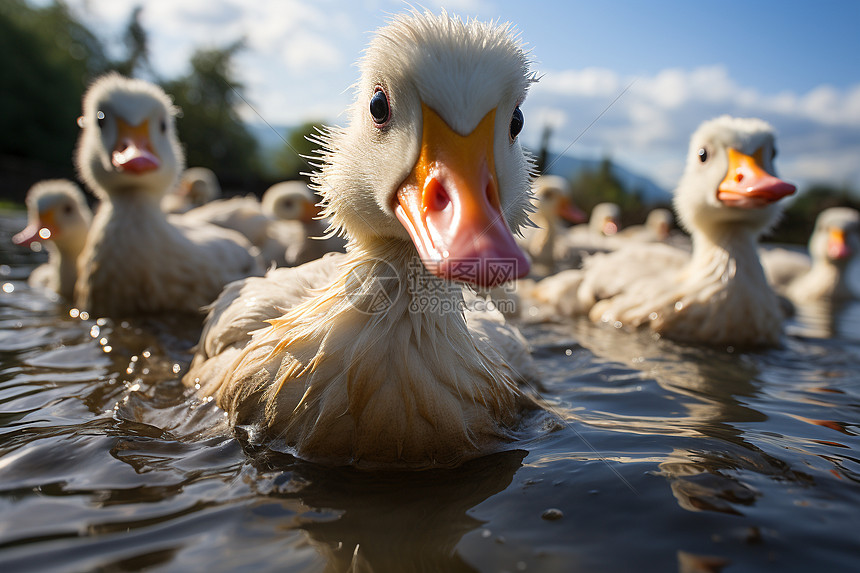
(793, 64)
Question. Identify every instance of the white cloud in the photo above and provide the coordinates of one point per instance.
(818, 129)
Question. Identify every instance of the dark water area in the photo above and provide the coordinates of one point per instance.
(669, 458)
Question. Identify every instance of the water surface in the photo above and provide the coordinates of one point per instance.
(668, 458)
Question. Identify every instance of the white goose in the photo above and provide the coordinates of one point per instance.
(552, 205)
(135, 261)
(822, 275)
(726, 199)
(58, 214)
(297, 234)
(366, 358)
(197, 186)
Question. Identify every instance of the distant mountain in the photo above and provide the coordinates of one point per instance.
(270, 137)
(569, 167)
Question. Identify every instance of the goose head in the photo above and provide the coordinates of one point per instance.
(57, 211)
(552, 194)
(290, 201)
(605, 219)
(128, 138)
(200, 185)
(660, 222)
(836, 236)
(431, 153)
(729, 180)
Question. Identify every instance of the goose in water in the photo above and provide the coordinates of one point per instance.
(383, 356)
(197, 186)
(726, 199)
(297, 234)
(822, 275)
(136, 261)
(58, 214)
(552, 205)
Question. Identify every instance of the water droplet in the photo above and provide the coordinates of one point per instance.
(84, 315)
(176, 368)
(486, 533)
(552, 514)
(36, 247)
(101, 321)
(5, 270)
(135, 358)
(107, 348)
(8, 287)
(134, 387)
(94, 331)
(679, 305)
(197, 386)
(74, 313)
(568, 352)
(617, 324)
(146, 353)
(653, 316)
(103, 340)
(45, 233)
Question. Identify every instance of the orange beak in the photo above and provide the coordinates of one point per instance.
(310, 211)
(747, 185)
(837, 248)
(133, 150)
(570, 212)
(449, 205)
(42, 230)
(610, 226)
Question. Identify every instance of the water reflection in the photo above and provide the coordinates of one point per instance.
(715, 389)
(390, 521)
(826, 319)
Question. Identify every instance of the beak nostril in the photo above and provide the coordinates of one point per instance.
(436, 197)
(739, 177)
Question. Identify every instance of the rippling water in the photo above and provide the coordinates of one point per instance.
(671, 458)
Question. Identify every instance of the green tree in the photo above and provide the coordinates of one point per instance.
(136, 42)
(48, 60)
(210, 128)
(601, 185)
(291, 159)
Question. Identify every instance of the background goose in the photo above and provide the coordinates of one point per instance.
(726, 199)
(822, 275)
(297, 233)
(552, 205)
(367, 358)
(134, 260)
(58, 215)
(197, 186)
(599, 235)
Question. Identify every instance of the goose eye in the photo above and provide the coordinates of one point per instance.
(67, 209)
(773, 154)
(703, 154)
(379, 109)
(517, 121)
(163, 125)
(100, 116)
